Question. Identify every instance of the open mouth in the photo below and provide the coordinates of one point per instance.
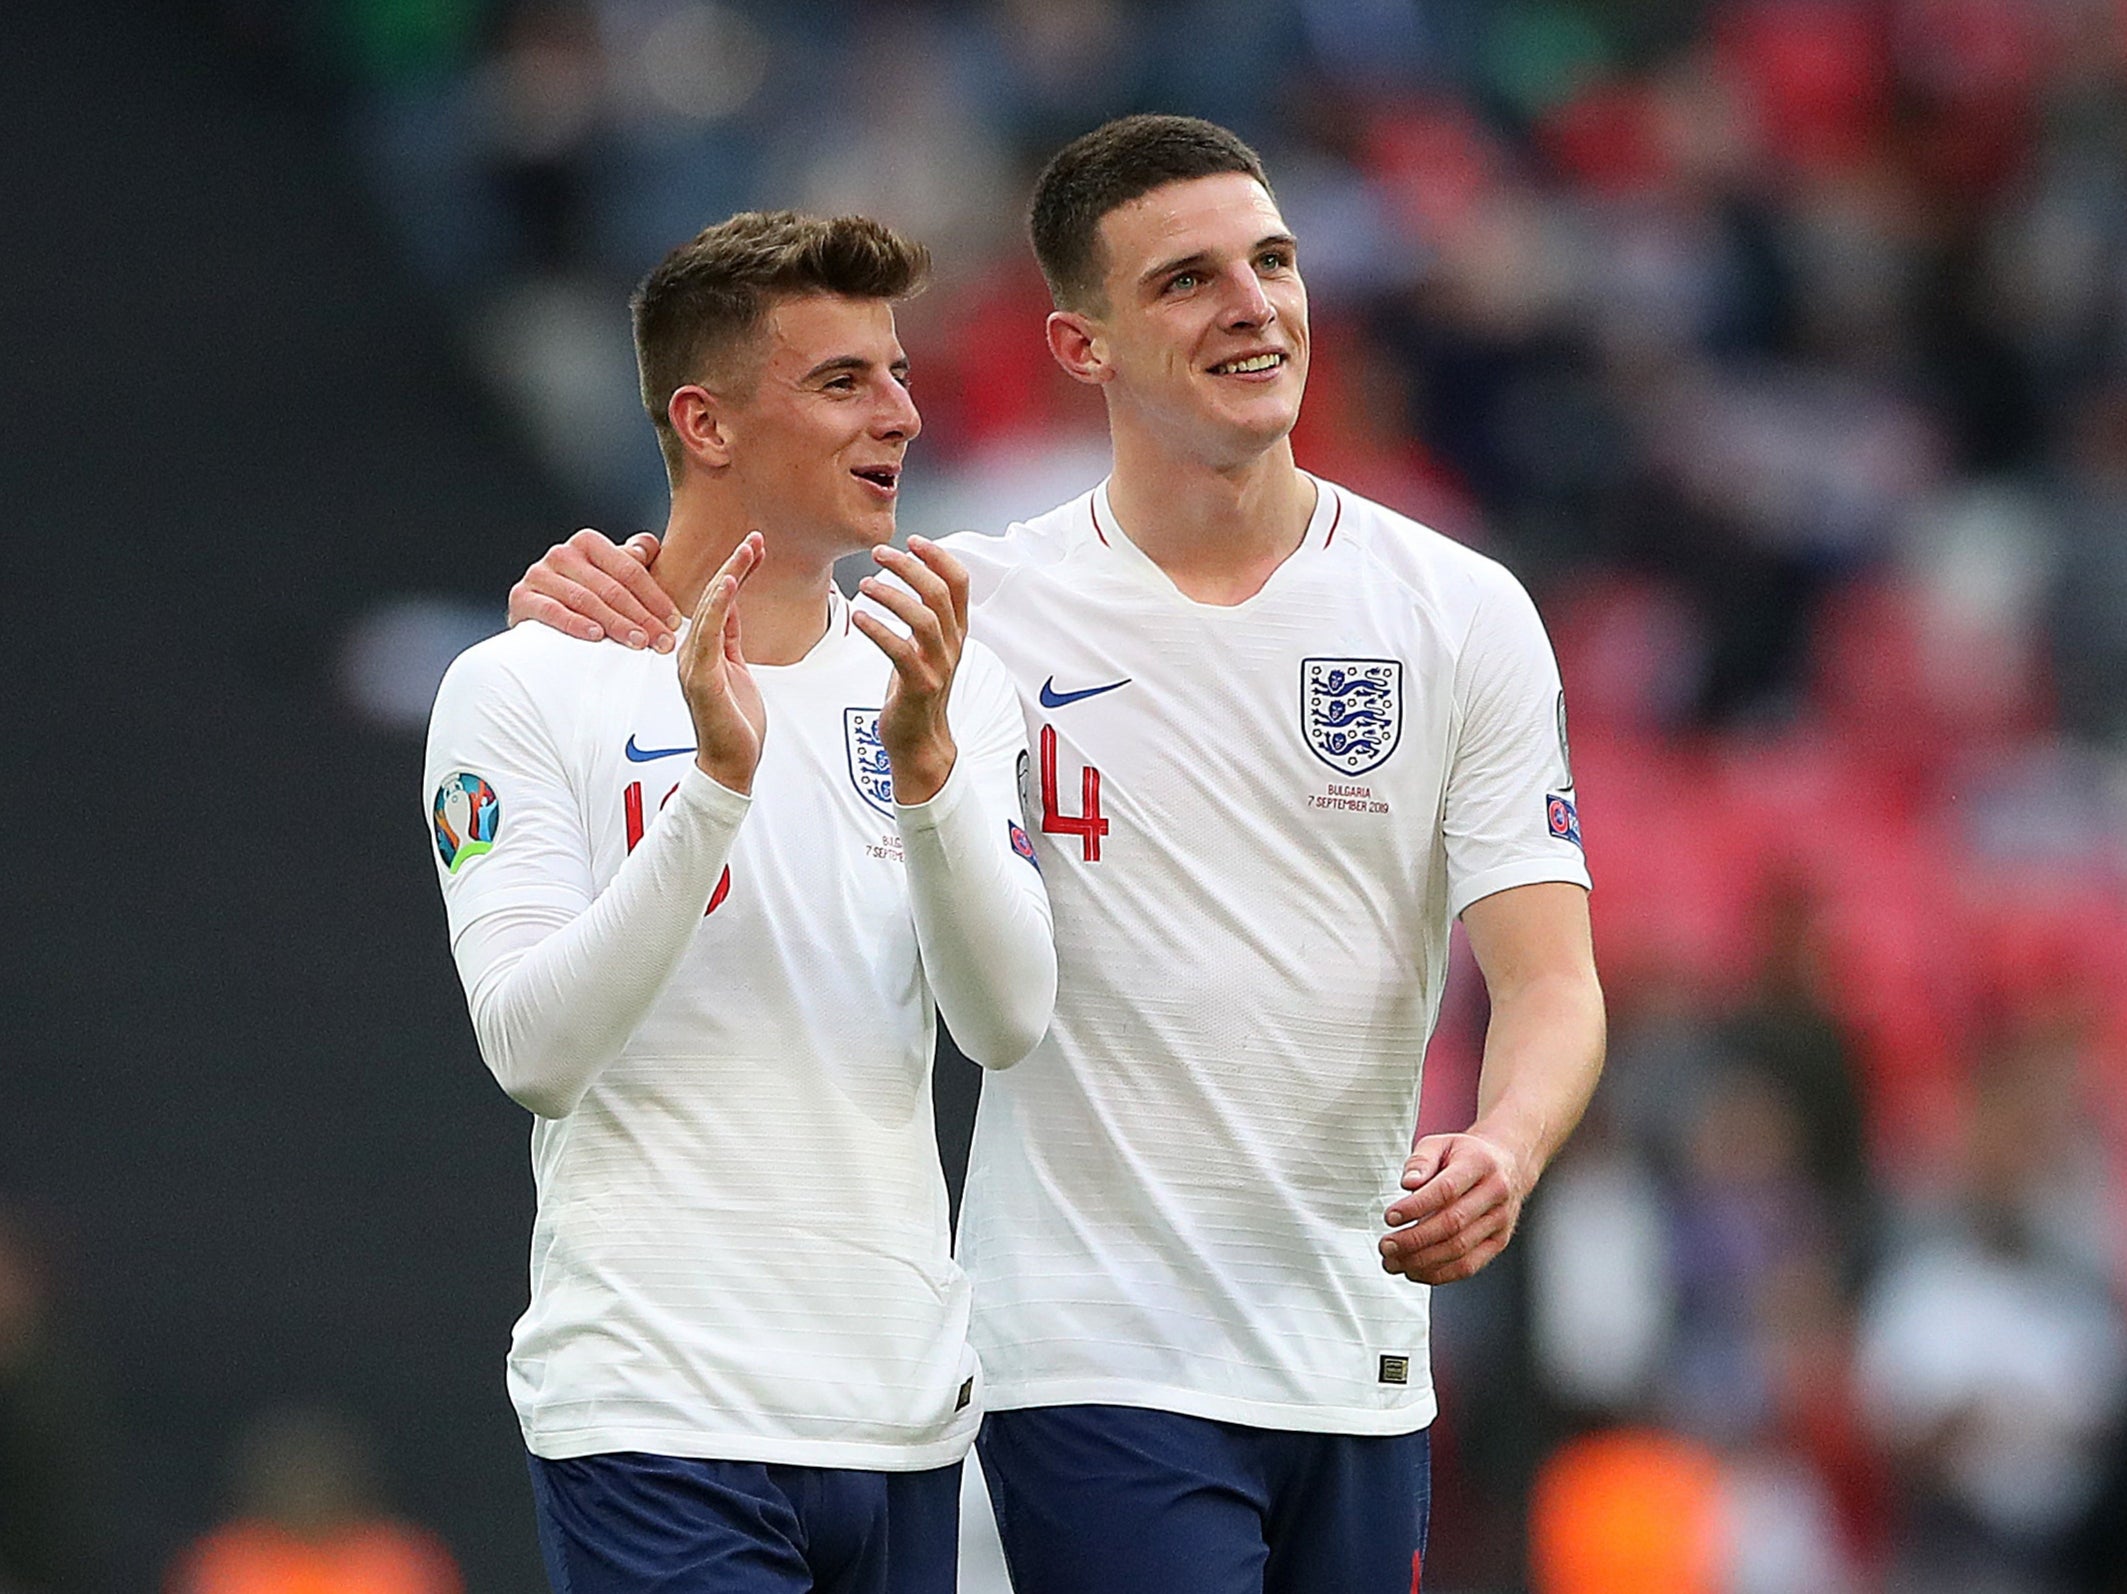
(883, 477)
(1249, 365)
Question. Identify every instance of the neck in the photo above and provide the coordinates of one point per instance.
(784, 603)
(1217, 531)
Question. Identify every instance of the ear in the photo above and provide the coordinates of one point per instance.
(1079, 346)
(703, 423)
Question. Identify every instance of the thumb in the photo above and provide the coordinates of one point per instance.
(1425, 1160)
(643, 545)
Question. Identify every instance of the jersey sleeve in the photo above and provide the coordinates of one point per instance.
(1511, 816)
(557, 972)
(982, 914)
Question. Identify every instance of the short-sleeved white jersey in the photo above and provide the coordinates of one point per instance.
(1256, 823)
(741, 1247)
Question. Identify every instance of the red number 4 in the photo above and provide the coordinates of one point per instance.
(1089, 825)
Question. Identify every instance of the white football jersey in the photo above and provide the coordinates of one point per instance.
(1256, 825)
(741, 1247)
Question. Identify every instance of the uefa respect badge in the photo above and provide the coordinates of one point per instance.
(467, 815)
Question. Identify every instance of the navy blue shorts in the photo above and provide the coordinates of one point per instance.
(1123, 1501)
(626, 1523)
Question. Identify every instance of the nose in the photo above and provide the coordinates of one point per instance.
(897, 415)
(1247, 305)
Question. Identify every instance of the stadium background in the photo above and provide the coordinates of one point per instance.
(1781, 345)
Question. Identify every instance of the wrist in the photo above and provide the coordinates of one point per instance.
(1520, 1153)
(730, 776)
(920, 775)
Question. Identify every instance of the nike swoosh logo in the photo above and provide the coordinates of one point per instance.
(1051, 698)
(643, 755)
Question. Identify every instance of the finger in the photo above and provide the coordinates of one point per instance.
(643, 546)
(705, 635)
(733, 636)
(950, 571)
(899, 649)
(1424, 1161)
(1451, 1271)
(624, 581)
(1406, 1250)
(1433, 1193)
(1469, 1184)
(619, 610)
(928, 586)
(586, 601)
(745, 558)
(1451, 1227)
(922, 621)
(1484, 1243)
(526, 604)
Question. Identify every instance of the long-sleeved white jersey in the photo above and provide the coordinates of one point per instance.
(722, 1011)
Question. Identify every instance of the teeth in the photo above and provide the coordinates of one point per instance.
(1255, 362)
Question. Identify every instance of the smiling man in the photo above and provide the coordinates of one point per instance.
(1282, 737)
(701, 904)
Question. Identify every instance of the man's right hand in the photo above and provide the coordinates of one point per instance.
(591, 587)
(730, 721)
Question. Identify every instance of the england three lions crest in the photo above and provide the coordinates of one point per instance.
(869, 766)
(1351, 711)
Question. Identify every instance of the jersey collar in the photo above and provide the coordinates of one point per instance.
(1321, 533)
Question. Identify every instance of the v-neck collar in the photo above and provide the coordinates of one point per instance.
(1320, 533)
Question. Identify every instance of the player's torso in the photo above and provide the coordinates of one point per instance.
(806, 960)
(1251, 793)
(1238, 815)
(694, 1289)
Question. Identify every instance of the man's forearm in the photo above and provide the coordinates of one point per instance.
(982, 921)
(1543, 1053)
(553, 1005)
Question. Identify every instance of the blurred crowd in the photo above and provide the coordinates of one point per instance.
(1781, 345)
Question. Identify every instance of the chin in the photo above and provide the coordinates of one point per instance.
(1264, 427)
(868, 530)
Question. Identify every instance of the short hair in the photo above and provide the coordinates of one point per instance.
(706, 302)
(1117, 162)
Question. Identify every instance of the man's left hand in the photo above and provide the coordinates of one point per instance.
(933, 605)
(1465, 1197)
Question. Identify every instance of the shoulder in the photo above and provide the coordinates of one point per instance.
(529, 674)
(983, 686)
(991, 558)
(529, 654)
(1417, 554)
(1463, 589)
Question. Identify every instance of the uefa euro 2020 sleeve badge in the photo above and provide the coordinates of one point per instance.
(467, 815)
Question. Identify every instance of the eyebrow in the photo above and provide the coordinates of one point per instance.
(855, 364)
(1202, 258)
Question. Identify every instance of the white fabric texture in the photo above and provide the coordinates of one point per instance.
(1175, 1201)
(740, 1249)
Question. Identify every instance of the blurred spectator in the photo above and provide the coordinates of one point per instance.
(55, 1508)
(1785, 1030)
(307, 1521)
(1993, 1358)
